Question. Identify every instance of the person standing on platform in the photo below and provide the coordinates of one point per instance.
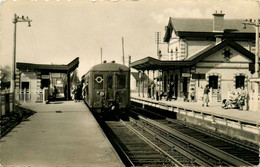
(169, 97)
(192, 95)
(206, 96)
(157, 91)
(149, 90)
(171, 89)
(244, 93)
(152, 90)
(65, 91)
(55, 92)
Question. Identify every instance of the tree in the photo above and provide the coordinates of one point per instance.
(74, 79)
(5, 77)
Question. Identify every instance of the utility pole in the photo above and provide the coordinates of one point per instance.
(255, 23)
(123, 50)
(129, 61)
(101, 54)
(16, 19)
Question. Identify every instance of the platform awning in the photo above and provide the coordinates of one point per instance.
(49, 67)
(150, 63)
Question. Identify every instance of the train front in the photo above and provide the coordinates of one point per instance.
(111, 88)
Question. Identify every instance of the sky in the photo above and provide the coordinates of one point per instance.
(62, 30)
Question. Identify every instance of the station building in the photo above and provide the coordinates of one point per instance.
(218, 52)
(32, 79)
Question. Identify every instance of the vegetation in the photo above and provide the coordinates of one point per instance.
(5, 77)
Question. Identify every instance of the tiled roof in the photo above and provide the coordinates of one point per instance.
(206, 25)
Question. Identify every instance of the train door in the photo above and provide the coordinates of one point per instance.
(110, 86)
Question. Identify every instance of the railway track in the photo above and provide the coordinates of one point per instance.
(249, 152)
(207, 151)
(167, 142)
(138, 148)
(146, 142)
(242, 150)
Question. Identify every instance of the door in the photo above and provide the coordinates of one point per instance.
(110, 86)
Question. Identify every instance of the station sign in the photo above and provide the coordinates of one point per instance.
(185, 74)
(30, 75)
(55, 75)
(198, 76)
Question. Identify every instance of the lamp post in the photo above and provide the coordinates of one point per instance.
(16, 20)
(255, 23)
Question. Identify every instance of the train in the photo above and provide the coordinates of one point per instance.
(106, 88)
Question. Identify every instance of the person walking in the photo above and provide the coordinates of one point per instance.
(206, 96)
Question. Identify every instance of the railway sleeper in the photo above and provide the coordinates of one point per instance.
(173, 146)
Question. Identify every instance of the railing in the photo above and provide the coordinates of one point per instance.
(221, 119)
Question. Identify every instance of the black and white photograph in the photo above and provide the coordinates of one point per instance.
(125, 83)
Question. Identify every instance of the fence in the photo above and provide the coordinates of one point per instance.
(6, 103)
(39, 95)
(30, 96)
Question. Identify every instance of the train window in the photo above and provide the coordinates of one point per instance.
(121, 80)
(110, 82)
(98, 83)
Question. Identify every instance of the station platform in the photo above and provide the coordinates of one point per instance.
(62, 133)
(241, 124)
(213, 109)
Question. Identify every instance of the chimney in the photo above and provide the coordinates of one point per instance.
(218, 21)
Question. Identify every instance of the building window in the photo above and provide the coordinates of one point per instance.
(121, 81)
(213, 82)
(240, 81)
(182, 49)
(110, 82)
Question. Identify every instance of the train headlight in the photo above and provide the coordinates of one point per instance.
(102, 93)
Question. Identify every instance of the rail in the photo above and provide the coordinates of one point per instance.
(227, 120)
(196, 143)
(172, 159)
